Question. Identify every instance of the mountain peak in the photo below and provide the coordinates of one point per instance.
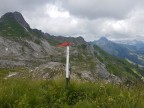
(103, 39)
(18, 17)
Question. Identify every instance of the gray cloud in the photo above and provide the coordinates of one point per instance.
(100, 8)
(20, 5)
(116, 19)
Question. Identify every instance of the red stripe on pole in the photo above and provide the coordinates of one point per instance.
(65, 44)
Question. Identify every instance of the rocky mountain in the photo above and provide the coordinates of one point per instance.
(30, 53)
(132, 53)
(16, 16)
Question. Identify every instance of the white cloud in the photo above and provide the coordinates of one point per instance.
(52, 19)
(55, 12)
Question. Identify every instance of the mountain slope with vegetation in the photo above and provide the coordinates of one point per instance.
(32, 71)
(36, 52)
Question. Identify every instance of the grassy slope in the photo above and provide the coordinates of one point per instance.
(26, 93)
(45, 94)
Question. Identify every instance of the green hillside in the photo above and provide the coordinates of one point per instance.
(119, 67)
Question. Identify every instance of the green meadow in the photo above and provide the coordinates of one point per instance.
(26, 93)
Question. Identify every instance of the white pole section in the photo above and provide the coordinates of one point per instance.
(67, 62)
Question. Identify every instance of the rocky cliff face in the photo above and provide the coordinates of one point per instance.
(18, 53)
(20, 19)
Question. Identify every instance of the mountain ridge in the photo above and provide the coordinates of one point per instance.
(130, 52)
(36, 51)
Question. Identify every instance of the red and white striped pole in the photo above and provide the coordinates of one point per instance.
(67, 44)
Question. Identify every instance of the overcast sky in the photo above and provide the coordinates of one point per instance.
(91, 19)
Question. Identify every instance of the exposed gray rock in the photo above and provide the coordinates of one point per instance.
(19, 18)
(115, 79)
(90, 49)
(11, 63)
(47, 47)
(21, 50)
(48, 71)
(86, 75)
(101, 71)
(9, 48)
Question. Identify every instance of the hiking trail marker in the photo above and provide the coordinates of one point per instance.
(66, 44)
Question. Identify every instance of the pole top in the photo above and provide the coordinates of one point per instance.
(65, 44)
